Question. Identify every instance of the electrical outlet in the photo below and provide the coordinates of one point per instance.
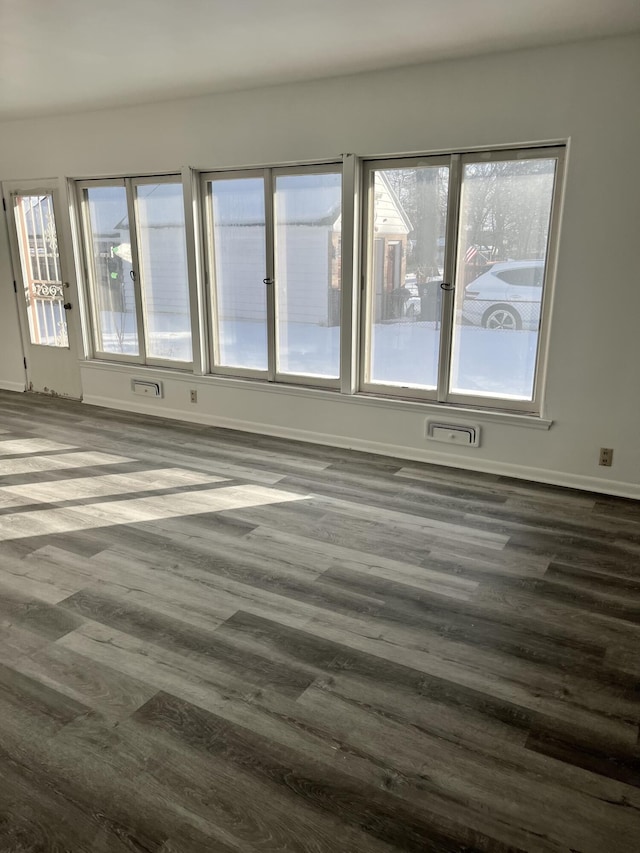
(194, 395)
(606, 456)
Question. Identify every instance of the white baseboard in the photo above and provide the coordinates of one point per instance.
(504, 469)
(12, 386)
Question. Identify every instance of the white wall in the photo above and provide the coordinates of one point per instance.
(586, 92)
(12, 376)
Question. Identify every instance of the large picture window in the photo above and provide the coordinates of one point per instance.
(274, 271)
(444, 298)
(135, 252)
(456, 265)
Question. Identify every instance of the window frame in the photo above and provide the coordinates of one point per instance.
(269, 175)
(209, 266)
(369, 167)
(85, 235)
(456, 162)
(355, 332)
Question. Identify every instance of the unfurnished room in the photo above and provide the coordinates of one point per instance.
(320, 426)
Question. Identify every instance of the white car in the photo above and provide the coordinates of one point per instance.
(508, 296)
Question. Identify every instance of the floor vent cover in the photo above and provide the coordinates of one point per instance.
(454, 433)
(145, 388)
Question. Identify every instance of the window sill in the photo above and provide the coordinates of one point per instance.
(446, 410)
(442, 410)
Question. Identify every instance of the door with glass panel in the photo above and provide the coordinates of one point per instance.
(136, 266)
(456, 264)
(274, 268)
(46, 300)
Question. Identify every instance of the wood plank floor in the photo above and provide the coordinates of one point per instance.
(219, 642)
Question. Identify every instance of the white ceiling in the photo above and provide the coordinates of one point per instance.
(67, 55)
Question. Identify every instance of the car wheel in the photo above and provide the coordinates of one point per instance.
(501, 317)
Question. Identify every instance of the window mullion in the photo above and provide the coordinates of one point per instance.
(209, 269)
(270, 283)
(195, 266)
(363, 286)
(88, 266)
(350, 276)
(136, 268)
(448, 300)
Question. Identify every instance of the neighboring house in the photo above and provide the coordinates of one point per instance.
(307, 250)
(163, 257)
(391, 229)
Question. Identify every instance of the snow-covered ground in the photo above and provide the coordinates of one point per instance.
(488, 362)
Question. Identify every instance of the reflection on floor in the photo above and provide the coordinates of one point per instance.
(220, 642)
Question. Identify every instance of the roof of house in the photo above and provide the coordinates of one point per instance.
(302, 199)
(307, 199)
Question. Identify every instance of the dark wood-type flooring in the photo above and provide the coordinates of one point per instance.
(215, 642)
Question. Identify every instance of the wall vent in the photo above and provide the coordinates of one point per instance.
(145, 388)
(462, 434)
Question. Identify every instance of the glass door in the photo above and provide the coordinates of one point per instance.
(44, 296)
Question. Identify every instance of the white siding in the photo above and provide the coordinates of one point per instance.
(303, 273)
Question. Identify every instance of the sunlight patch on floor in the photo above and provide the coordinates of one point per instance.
(82, 459)
(81, 488)
(13, 447)
(45, 522)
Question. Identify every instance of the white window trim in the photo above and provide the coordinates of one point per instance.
(440, 394)
(269, 175)
(368, 169)
(528, 414)
(129, 184)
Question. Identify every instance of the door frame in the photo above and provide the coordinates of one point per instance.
(68, 357)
